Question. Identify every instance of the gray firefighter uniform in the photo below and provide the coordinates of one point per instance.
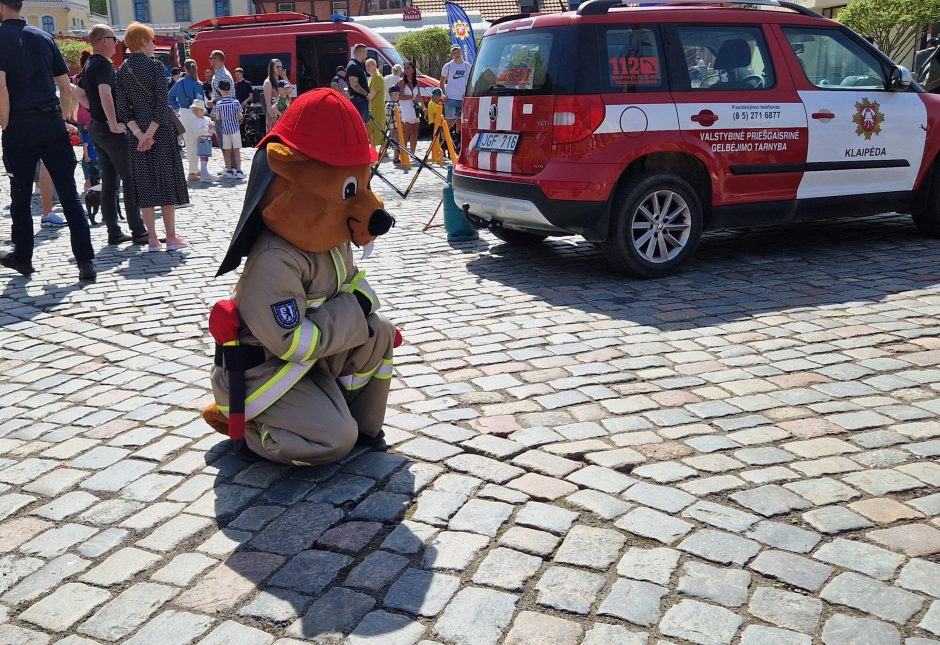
(327, 369)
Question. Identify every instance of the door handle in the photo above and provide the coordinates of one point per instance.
(705, 117)
(823, 115)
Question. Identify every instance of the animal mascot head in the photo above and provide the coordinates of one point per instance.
(309, 181)
(309, 185)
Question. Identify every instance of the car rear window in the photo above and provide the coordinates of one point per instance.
(516, 62)
(619, 58)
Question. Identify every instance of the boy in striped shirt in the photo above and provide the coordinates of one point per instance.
(229, 113)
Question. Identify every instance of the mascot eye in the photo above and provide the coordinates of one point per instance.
(350, 186)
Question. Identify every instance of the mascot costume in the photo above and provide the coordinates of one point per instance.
(303, 361)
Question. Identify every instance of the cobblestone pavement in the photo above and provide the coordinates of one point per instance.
(744, 453)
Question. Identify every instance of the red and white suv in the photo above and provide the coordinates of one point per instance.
(640, 127)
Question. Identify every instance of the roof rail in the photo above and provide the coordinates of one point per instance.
(599, 7)
(515, 16)
(252, 20)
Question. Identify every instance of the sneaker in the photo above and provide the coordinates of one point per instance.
(9, 260)
(119, 239)
(207, 177)
(238, 174)
(177, 244)
(52, 221)
(86, 272)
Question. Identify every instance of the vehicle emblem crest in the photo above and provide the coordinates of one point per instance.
(868, 118)
(493, 113)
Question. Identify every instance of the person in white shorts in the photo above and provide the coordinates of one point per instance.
(230, 113)
(454, 84)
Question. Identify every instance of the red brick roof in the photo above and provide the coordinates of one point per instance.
(491, 9)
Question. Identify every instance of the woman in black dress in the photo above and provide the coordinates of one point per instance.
(156, 166)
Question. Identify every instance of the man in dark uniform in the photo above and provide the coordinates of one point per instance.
(31, 67)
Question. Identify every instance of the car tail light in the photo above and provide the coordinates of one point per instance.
(576, 117)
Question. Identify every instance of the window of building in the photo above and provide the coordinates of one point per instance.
(388, 5)
(142, 10)
(285, 6)
(182, 11)
(223, 8)
(48, 24)
(833, 12)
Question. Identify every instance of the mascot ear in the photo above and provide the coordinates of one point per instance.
(286, 162)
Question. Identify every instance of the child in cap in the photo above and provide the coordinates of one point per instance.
(230, 113)
(204, 128)
(283, 97)
(435, 105)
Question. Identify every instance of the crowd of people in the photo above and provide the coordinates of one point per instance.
(131, 122)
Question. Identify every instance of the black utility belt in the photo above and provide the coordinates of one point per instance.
(46, 110)
(250, 355)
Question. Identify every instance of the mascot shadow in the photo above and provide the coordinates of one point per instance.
(735, 275)
(310, 510)
(320, 551)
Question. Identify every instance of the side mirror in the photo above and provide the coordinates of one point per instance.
(900, 78)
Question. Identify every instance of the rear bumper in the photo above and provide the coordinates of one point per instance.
(524, 206)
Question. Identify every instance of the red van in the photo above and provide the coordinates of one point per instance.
(310, 50)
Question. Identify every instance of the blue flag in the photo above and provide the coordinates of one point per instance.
(461, 33)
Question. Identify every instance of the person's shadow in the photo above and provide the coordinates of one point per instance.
(322, 549)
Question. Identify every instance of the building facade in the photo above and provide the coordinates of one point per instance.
(58, 16)
(168, 13)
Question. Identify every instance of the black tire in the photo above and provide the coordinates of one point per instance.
(927, 219)
(684, 229)
(517, 238)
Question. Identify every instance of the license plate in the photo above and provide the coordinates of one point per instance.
(497, 142)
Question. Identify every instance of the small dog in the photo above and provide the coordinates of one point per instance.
(93, 202)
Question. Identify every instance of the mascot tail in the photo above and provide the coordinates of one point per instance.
(212, 415)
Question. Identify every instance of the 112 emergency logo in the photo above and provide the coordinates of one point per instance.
(868, 118)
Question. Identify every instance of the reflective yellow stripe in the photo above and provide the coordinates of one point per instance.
(360, 379)
(231, 343)
(305, 341)
(265, 435)
(340, 265)
(299, 463)
(354, 283)
(313, 344)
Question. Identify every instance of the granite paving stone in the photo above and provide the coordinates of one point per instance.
(545, 516)
(770, 500)
(530, 627)
(481, 516)
(65, 606)
(529, 540)
(453, 550)
(784, 536)
(914, 540)
(381, 627)
(786, 609)
(723, 517)
(719, 546)
(601, 504)
(868, 595)
(120, 566)
(172, 628)
(700, 623)
(761, 635)
(336, 613)
(635, 601)
(232, 632)
(604, 633)
(310, 572)
(866, 558)
(835, 519)
(931, 620)
(921, 575)
(653, 524)
(376, 570)
(842, 629)
(568, 589)
(476, 616)
(506, 569)
(590, 547)
(728, 587)
(792, 569)
(127, 611)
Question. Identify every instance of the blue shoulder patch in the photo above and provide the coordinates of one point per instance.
(286, 313)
